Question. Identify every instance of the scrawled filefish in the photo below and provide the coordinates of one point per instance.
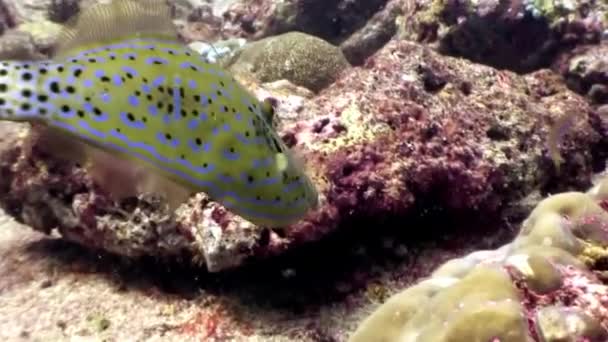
(124, 94)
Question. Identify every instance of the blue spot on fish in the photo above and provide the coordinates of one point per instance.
(231, 155)
(105, 97)
(87, 83)
(192, 84)
(87, 107)
(158, 81)
(100, 73)
(153, 110)
(174, 142)
(133, 100)
(193, 124)
(186, 65)
(117, 80)
(85, 125)
(133, 124)
(130, 70)
(156, 60)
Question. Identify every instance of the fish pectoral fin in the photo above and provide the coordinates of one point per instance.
(175, 194)
(114, 175)
(105, 22)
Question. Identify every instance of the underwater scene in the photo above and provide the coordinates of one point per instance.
(304, 170)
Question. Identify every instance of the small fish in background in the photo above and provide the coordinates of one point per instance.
(556, 135)
(142, 112)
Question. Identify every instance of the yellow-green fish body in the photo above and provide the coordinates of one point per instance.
(124, 84)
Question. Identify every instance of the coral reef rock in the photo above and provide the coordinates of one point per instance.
(516, 35)
(546, 285)
(407, 127)
(586, 71)
(297, 57)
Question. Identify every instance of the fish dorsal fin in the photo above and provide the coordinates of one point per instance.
(110, 21)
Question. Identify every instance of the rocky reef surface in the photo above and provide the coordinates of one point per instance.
(410, 115)
(546, 285)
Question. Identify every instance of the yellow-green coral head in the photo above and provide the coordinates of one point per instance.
(123, 83)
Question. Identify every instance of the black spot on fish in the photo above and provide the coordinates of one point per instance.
(54, 87)
(117, 130)
(137, 93)
(42, 98)
(129, 75)
(209, 101)
(77, 72)
(184, 114)
(132, 58)
(157, 62)
(182, 93)
(168, 136)
(258, 197)
(43, 71)
(130, 117)
(205, 165)
(277, 199)
(222, 84)
(250, 109)
(198, 141)
(105, 79)
(197, 98)
(2, 102)
(42, 111)
(247, 134)
(3, 72)
(170, 108)
(144, 119)
(81, 113)
(25, 106)
(160, 105)
(60, 68)
(97, 111)
(145, 80)
(26, 76)
(161, 89)
(225, 108)
(65, 108)
(92, 60)
(250, 179)
(231, 150)
(70, 89)
(219, 93)
(26, 93)
(149, 97)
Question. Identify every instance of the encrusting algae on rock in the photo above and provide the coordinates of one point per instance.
(145, 113)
